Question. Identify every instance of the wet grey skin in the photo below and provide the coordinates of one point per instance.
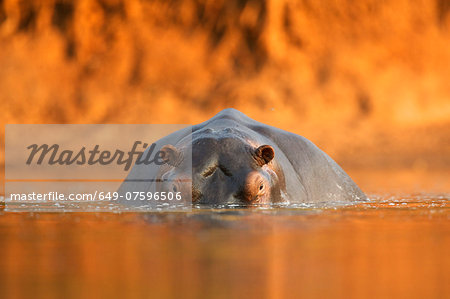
(232, 159)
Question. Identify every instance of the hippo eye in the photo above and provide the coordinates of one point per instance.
(261, 187)
(209, 171)
(174, 188)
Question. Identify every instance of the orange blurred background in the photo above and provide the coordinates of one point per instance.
(367, 81)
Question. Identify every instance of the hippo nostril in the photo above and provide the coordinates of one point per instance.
(225, 170)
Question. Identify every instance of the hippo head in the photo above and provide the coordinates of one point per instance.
(226, 170)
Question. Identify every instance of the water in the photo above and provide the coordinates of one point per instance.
(391, 246)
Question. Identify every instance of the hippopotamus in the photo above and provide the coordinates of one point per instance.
(232, 159)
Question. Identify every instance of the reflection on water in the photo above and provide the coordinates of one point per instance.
(396, 246)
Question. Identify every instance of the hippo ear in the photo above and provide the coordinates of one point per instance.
(264, 154)
(171, 155)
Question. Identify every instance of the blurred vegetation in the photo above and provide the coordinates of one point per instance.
(368, 81)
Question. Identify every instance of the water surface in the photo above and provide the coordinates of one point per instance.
(394, 246)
